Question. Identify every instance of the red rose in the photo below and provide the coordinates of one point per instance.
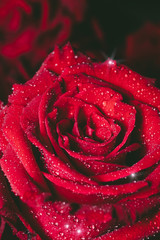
(80, 150)
(29, 30)
(143, 50)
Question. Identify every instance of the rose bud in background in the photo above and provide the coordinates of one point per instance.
(29, 30)
(80, 152)
(142, 50)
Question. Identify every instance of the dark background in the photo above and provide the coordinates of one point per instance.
(120, 18)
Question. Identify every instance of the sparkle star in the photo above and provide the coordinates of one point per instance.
(133, 175)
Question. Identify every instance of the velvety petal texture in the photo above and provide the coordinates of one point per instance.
(79, 146)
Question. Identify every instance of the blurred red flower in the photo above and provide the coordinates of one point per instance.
(29, 29)
(143, 50)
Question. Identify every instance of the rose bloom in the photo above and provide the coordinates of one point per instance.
(142, 51)
(80, 152)
(29, 30)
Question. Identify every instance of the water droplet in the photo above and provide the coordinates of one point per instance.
(104, 103)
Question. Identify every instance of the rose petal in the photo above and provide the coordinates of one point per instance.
(144, 228)
(3, 142)
(130, 81)
(58, 60)
(20, 144)
(150, 128)
(128, 212)
(19, 179)
(85, 193)
(22, 94)
(146, 162)
(47, 100)
(122, 77)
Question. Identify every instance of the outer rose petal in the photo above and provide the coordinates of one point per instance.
(150, 129)
(10, 216)
(22, 94)
(137, 231)
(20, 144)
(124, 79)
(3, 142)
